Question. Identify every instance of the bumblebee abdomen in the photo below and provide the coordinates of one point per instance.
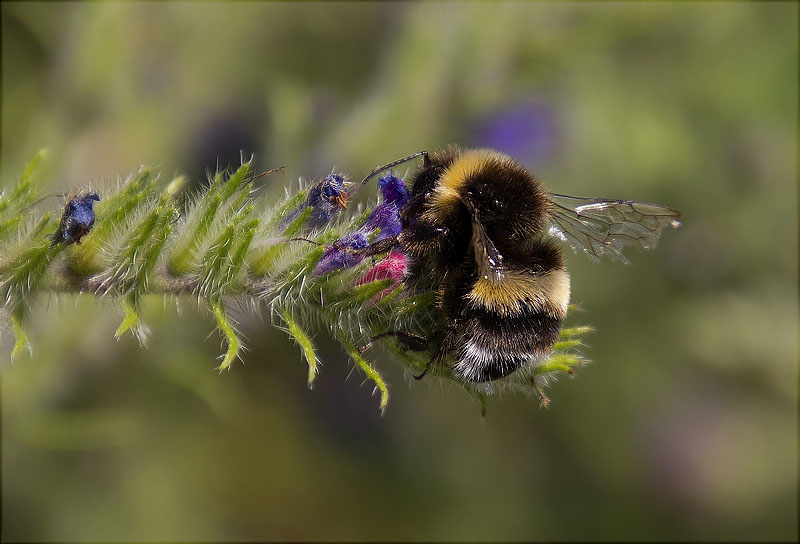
(494, 346)
(505, 324)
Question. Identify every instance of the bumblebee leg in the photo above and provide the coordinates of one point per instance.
(410, 341)
(381, 246)
(436, 358)
(427, 368)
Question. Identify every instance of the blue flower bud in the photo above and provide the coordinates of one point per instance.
(340, 254)
(394, 190)
(77, 219)
(385, 216)
(327, 198)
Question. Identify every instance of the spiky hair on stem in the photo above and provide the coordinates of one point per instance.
(139, 238)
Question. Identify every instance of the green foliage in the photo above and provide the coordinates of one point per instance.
(22, 196)
(226, 328)
(305, 344)
(21, 338)
(113, 211)
(185, 255)
(221, 246)
(130, 308)
(367, 368)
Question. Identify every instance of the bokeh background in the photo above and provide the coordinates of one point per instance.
(684, 427)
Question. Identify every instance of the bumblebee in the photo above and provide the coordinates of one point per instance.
(483, 231)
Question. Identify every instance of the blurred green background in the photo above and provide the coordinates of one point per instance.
(685, 425)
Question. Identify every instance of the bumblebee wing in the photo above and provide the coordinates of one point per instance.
(489, 260)
(601, 227)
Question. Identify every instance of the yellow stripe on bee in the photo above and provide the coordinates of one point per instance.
(517, 290)
(467, 164)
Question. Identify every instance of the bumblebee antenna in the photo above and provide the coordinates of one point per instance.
(379, 169)
(411, 341)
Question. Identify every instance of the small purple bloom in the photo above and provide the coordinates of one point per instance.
(77, 219)
(385, 217)
(394, 190)
(327, 198)
(339, 254)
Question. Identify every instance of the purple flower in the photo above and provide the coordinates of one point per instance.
(394, 190)
(385, 216)
(339, 254)
(326, 197)
(77, 219)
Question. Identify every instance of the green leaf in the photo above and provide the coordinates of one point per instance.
(371, 373)
(183, 257)
(23, 195)
(305, 344)
(297, 223)
(131, 320)
(227, 330)
(112, 211)
(20, 338)
(360, 294)
(291, 204)
(22, 273)
(234, 182)
(575, 331)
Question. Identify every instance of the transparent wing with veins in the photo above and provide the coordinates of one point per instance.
(601, 227)
(490, 261)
